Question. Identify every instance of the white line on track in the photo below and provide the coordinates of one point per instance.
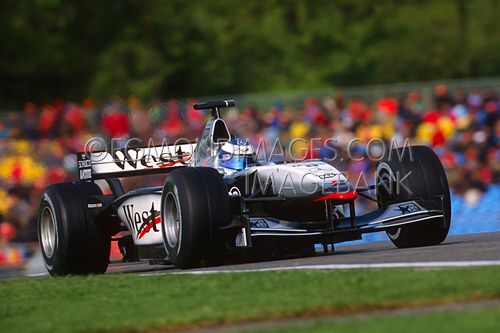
(430, 264)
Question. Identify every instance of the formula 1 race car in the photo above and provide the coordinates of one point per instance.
(220, 203)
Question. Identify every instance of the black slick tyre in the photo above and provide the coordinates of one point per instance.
(71, 242)
(195, 205)
(421, 176)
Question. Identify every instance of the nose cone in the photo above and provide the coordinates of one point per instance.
(303, 179)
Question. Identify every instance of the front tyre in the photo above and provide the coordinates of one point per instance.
(421, 176)
(70, 241)
(195, 205)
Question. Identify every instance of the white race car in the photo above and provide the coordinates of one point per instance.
(220, 204)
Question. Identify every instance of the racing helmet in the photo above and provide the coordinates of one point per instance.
(236, 154)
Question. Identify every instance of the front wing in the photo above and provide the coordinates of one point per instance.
(393, 215)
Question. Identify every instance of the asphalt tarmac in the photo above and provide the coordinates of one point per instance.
(482, 249)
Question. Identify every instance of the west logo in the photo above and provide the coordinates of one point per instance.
(144, 157)
(142, 222)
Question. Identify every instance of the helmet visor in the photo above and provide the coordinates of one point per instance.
(236, 162)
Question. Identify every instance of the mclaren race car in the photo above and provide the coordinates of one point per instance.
(220, 203)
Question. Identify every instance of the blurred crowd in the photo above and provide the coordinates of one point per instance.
(37, 144)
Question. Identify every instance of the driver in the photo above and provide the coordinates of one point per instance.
(236, 155)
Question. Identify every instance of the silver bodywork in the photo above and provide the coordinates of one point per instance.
(299, 183)
(139, 210)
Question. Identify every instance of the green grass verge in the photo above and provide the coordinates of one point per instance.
(476, 320)
(131, 302)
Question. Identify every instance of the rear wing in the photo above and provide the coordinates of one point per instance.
(133, 161)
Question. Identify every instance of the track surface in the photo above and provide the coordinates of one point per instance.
(461, 249)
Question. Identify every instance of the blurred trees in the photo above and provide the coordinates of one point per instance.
(157, 49)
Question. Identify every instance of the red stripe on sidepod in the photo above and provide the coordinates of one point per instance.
(149, 226)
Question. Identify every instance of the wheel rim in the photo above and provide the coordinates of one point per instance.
(393, 233)
(172, 221)
(48, 233)
(385, 194)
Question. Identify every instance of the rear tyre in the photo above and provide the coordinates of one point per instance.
(422, 177)
(72, 242)
(195, 205)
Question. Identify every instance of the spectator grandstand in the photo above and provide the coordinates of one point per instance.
(37, 145)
